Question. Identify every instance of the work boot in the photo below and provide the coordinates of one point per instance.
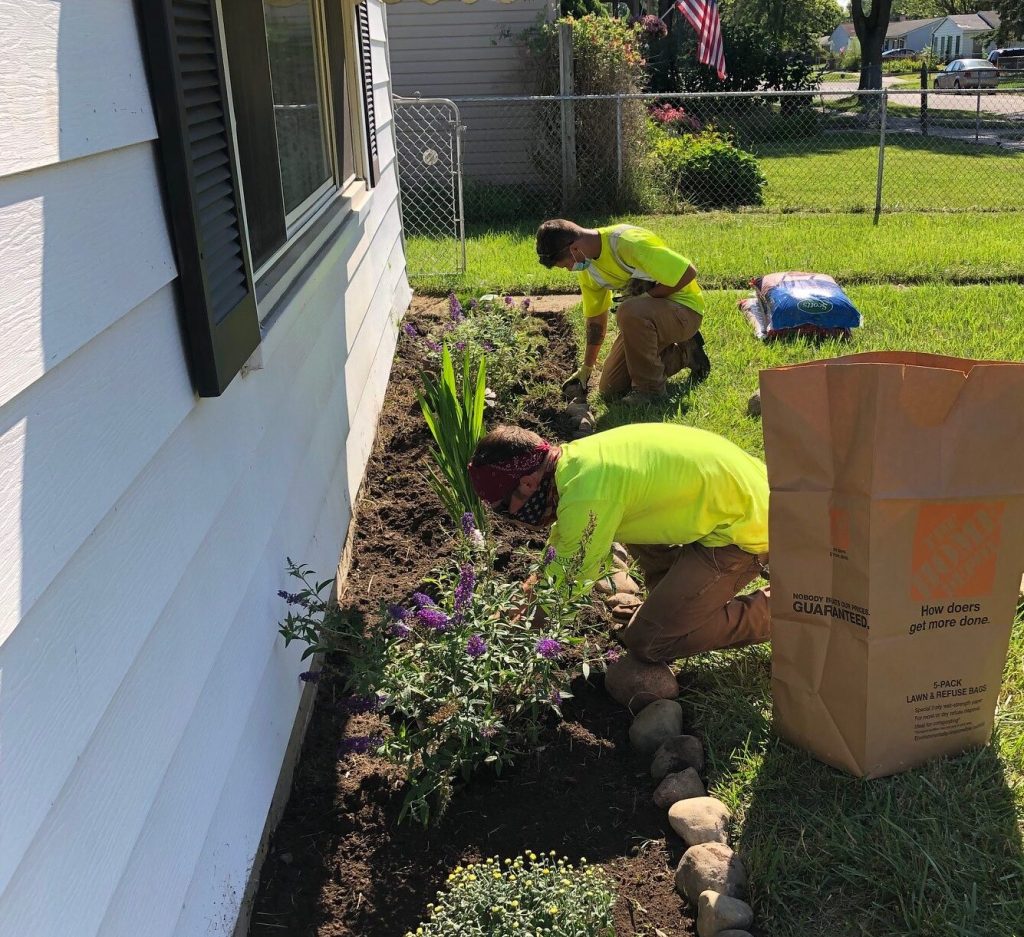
(700, 365)
(674, 358)
(641, 398)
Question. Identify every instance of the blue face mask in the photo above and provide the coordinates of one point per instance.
(580, 265)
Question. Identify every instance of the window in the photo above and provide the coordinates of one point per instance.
(289, 65)
(284, 71)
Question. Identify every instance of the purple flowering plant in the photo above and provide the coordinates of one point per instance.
(468, 671)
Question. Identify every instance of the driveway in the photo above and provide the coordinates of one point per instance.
(1006, 104)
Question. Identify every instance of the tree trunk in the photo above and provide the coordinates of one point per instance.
(871, 29)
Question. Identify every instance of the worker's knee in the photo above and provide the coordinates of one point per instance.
(632, 309)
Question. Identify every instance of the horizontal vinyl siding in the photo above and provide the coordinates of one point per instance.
(146, 697)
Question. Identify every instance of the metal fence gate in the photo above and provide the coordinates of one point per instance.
(428, 142)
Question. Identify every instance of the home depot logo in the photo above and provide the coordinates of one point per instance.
(955, 549)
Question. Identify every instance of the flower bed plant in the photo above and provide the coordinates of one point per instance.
(527, 895)
(467, 673)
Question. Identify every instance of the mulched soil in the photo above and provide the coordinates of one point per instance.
(339, 863)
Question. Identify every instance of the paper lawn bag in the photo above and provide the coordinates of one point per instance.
(897, 543)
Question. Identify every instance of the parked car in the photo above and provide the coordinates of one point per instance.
(968, 73)
(898, 54)
(1007, 59)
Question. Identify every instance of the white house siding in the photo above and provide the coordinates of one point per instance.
(145, 696)
(951, 40)
(841, 37)
(451, 49)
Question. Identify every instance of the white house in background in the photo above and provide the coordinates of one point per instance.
(200, 298)
(910, 34)
(449, 49)
(964, 36)
(840, 39)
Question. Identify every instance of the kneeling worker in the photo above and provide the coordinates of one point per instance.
(658, 324)
(689, 505)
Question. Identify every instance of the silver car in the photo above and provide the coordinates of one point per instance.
(968, 73)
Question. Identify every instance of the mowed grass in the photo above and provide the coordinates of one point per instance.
(934, 852)
(728, 248)
(927, 174)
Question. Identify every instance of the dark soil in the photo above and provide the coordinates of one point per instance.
(339, 863)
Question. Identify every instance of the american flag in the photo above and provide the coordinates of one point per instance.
(702, 15)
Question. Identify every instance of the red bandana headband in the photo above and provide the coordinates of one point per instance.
(497, 481)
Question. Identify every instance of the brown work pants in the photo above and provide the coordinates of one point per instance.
(648, 327)
(692, 603)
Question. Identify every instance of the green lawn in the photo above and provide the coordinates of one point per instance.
(728, 248)
(934, 852)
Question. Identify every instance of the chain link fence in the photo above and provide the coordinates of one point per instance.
(831, 150)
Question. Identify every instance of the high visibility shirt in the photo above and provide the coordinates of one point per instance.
(643, 254)
(655, 483)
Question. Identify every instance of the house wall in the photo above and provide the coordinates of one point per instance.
(839, 41)
(969, 41)
(451, 49)
(145, 697)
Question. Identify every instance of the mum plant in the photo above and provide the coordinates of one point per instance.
(530, 894)
(468, 673)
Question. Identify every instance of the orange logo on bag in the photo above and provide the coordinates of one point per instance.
(955, 549)
(839, 521)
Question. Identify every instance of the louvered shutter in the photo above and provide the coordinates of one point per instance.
(366, 78)
(186, 78)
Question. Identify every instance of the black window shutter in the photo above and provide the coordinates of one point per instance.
(186, 77)
(366, 77)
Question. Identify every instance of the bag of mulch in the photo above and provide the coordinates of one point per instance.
(813, 304)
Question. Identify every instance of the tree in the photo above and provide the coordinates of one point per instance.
(1011, 20)
(871, 28)
(926, 9)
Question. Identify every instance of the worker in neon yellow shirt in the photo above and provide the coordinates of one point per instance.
(690, 506)
(659, 318)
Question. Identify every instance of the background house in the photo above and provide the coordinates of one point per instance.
(839, 41)
(964, 36)
(910, 34)
(197, 330)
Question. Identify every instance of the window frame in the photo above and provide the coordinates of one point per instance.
(339, 71)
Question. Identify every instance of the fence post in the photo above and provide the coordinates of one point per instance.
(977, 114)
(565, 84)
(618, 145)
(881, 155)
(924, 98)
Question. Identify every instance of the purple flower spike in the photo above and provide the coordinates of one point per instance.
(398, 630)
(410, 330)
(291, 598)
(468, 524)
(359, 744)
(310, 676)
(359, 704)
(487, 346)
(432, 345)
(509, 301)
(612, 655)
(398, 613)
(476, 646)
(526, 303)
(455, 308)
(464, 590)
(460, 346)
(422, 600)
(556, 697)
(549, 555)
(434, 619)
(549, 648)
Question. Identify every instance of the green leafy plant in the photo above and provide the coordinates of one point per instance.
(709, 171)
(455, 417)
(530, 894)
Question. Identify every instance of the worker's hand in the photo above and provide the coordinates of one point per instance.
(581, 377)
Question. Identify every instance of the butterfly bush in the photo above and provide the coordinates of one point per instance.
(468, 672)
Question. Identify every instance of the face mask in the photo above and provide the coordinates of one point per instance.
(580, 265)
(535, 507)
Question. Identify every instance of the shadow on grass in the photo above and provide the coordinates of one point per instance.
(931, 852)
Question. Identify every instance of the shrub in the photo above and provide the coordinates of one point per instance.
(527, 895)
(675, 119)
(468, 675)
(850, 60)
(708, 171)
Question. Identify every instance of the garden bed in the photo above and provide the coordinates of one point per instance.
(340, 863)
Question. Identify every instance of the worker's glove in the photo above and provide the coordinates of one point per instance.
(578, 380)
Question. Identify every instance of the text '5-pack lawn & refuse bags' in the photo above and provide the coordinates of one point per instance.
(897, 544)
